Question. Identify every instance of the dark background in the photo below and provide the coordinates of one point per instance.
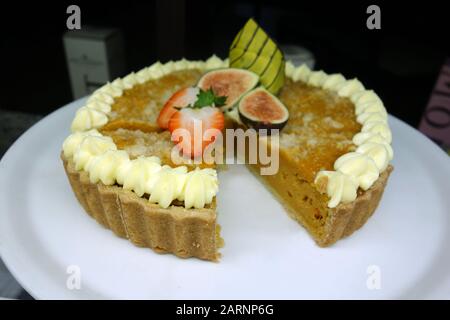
(400, 62)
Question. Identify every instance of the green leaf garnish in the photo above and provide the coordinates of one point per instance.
(207, 98)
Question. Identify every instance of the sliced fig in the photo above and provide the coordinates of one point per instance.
(260, 109)
(230, 82)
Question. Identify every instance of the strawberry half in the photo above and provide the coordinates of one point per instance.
(193, 129)
(180, 99)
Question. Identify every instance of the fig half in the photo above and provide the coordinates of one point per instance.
(230, 82)
(260, 109)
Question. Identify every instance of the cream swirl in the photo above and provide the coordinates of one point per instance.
(338, 186)
(155, 71)
(118, 83)
(168, 67)
(182, 64)
(317, 78)
(104, 167)
(101, 96)
(139, 174)
(143, 75)
(379, 127)
(99, 106)
(301, 73)
(111, 89)
(164, 184)
(371, 106)
(215, 62)
(364, 97)
(88, 118)
(158, 70)
(130, 81)
(359, 166)
(349, 88)
(73, 141)
(333, 81)
(380, 153)
(90, 147)
(289, 69)
(363, 137)
(169, 186)
(201, 187)
(200, 65)
(371, 116)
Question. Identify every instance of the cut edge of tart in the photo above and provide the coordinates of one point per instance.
(193, 231)
(340, 221)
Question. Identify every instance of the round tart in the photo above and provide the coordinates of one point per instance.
(334, 155)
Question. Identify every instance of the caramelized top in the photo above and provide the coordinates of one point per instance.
(138, 108)
(319, 130)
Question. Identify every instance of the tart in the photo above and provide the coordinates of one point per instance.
(334, 158)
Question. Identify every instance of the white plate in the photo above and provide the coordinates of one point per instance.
(43, 231)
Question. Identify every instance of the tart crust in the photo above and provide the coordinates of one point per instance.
(344, 219)
(183, 232)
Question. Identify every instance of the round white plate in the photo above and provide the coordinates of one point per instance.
(51, 245)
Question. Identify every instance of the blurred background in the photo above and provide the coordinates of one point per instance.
(402, 62)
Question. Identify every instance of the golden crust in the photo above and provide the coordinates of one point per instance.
(346, 218)
(183, 232)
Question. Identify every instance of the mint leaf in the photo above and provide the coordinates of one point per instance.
(220, 101)
(207, 98)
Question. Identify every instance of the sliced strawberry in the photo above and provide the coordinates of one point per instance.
(179, 99)
(193, 129)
